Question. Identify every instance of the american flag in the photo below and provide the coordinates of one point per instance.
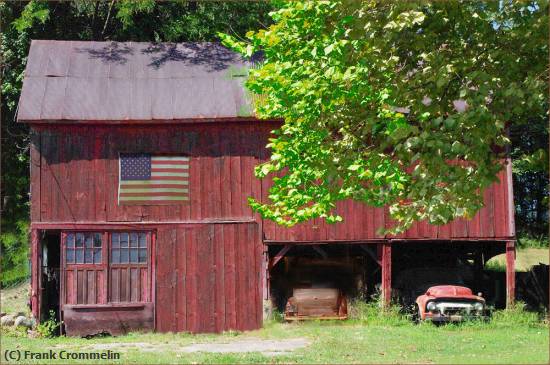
(150, 180)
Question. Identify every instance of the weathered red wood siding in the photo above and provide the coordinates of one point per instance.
(494, 221)
(79, 171)
(78, 176)
(208, 277)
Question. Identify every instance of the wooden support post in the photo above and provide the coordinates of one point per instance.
(370, 252)
(36, 273)
(510, 273)
(279, 256)
(320, 251)
(265, 272)
(384, 255)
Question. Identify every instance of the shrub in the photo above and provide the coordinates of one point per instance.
(49, 328)
(373, 312)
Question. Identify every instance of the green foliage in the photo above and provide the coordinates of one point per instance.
(50, 327)
(372, 313)
(336, 71)
(33, 11)
(518, 316)
(528, 241)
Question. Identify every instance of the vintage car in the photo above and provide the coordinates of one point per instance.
(316, 303)
(449, 303)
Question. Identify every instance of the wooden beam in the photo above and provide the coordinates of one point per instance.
(320, 251)
(371, 253)
(279, 256)
(384, 255)
(510, 273)
(36, 272)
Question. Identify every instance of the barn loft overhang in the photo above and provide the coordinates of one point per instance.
(122, 82)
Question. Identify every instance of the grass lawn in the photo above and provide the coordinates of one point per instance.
(14, 299)
(352, 341)
(525, 259)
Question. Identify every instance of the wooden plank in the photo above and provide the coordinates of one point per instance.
(80, 287)
(279, 255)
(115, 285)
(230, 284)
(500, 206)
(35, 271)
(90, 286)
(191, 281)
(181, 297)
(248, 256)
(35, 175)
(134, 285)
(486, 214)
(384, 255)
(510, 195)
(117, 320)
(239, 280)
(220, 278)
(260, 272)
(510, 273)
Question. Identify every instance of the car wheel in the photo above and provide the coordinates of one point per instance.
(416, 314)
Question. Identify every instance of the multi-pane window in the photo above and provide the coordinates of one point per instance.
(129, 248)
(105, 267)
(83, 248)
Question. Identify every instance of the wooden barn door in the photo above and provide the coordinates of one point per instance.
(208, 278)
(84, 263)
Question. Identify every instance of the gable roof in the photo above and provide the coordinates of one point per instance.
(132, 81)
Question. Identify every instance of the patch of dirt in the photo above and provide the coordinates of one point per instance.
(265, 347)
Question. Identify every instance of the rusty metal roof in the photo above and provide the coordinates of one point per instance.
(131, 81)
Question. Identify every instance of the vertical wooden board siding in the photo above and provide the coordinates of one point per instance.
(134, 285)
(115, 286)
(191, 279)
(90, 285)
(69, 287)
(144, 287)
(35, 175)
(165, 280)
(459, 228)
(500, 205)
(36, 269)
(487, 223)
(220, 278)
(99, 169)
(219, 267)
(181, 289)
(80, 289)
(101, 287)
(123, 284)
(46, 161)
(230, 250)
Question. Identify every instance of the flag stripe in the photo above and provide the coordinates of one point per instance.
(153, 183)
(169, 158)
(169, 166)
(158, 174)
(152, 186)
(154, 190)
(151, 194)
(153, 198)
(154, 169)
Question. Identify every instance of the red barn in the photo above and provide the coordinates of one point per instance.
(142, 158)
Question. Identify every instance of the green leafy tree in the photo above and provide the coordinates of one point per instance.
(403, 104)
